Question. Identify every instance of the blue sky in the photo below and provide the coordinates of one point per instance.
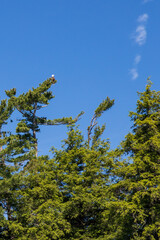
(95, 48)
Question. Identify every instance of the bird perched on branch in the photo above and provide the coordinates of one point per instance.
(53, 78)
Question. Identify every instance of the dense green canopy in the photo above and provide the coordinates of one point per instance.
(85, 190)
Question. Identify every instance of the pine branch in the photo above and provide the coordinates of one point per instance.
(105, 105)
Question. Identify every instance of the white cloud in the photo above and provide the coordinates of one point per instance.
(134, 73)
(140, 35)
(137, 59)
(143, 18)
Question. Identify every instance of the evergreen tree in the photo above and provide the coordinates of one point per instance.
(135, 205)
(63, 198)
(83, 176)
(39, 211)
(86, 191)
(5, 113)
(14, 151)
(28, 104)
(18, 161)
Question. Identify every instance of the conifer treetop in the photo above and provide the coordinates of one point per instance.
(103, 106)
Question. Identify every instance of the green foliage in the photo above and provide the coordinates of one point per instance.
(28, 104)
(103, 106)
(83, 179)
(39, 203)
(14, 151)
(137, 194)
(86, 191)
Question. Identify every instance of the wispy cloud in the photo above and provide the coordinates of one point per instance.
(140, 34)
(143, 18)
(134, 73)
(137, 59)
(139, 37)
